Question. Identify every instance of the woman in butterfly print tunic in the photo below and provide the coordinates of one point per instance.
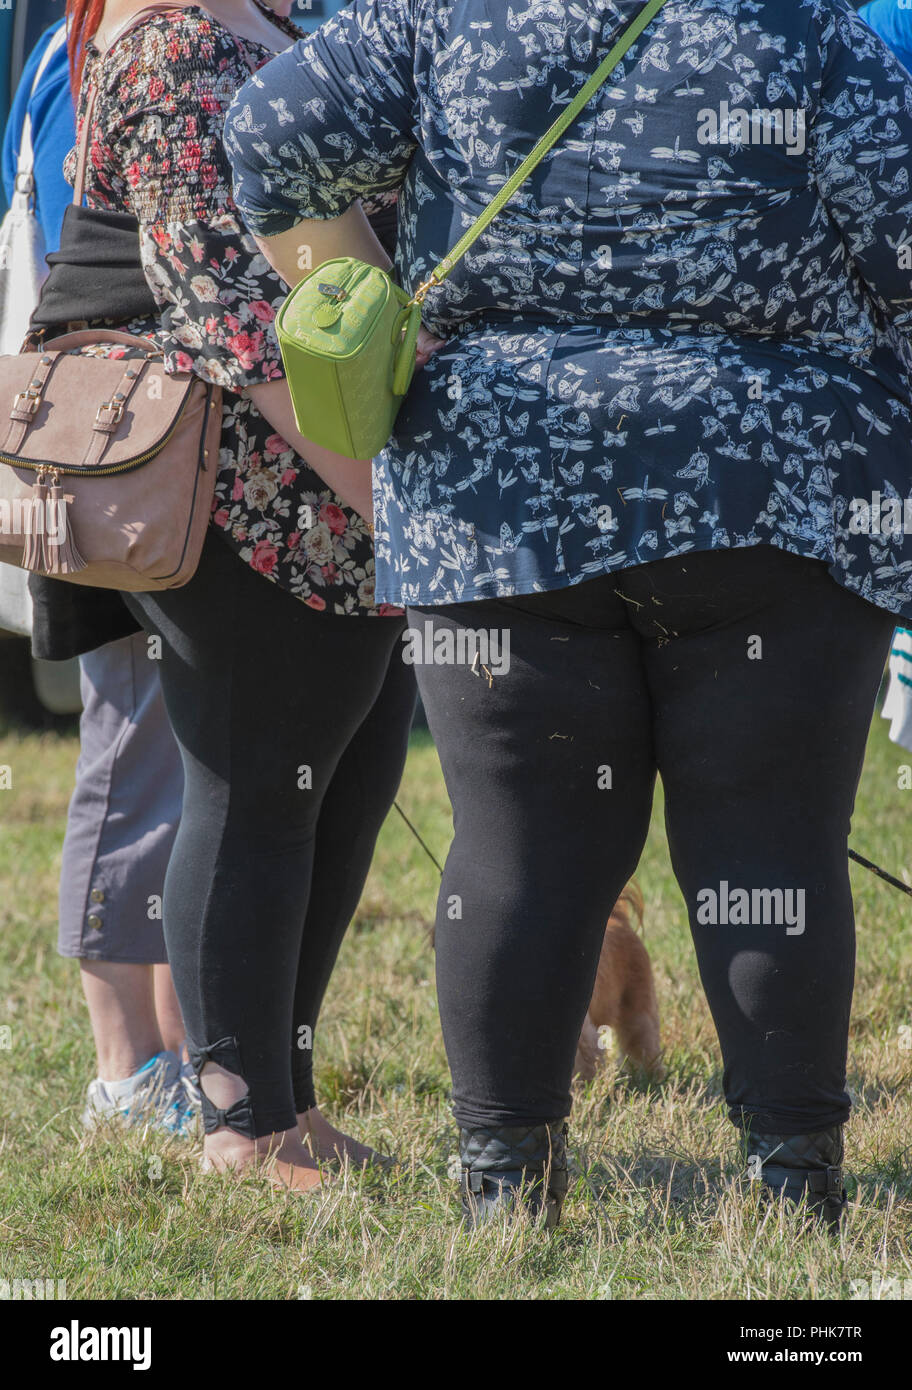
(639, 278)
(676, 345)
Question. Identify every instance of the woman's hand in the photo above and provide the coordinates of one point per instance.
(426, 346)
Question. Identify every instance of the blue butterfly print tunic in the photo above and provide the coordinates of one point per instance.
(690, 328)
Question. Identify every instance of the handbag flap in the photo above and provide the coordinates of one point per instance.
(74, 417)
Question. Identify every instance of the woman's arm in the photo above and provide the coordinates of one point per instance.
(307, 244)
(312, 241)
(291, 253)
(348, 478)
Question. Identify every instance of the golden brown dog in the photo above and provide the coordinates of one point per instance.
(624, 998)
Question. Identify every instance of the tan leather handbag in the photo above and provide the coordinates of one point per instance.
(107, 465)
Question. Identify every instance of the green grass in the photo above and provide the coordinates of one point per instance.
(655, 1211)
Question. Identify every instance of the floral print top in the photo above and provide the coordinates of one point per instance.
(156, 152)
(691, 327)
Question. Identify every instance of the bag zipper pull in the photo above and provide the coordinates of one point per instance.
(61, 552)
(34, 555)
(329, 309)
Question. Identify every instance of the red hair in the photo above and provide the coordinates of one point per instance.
(84, 17)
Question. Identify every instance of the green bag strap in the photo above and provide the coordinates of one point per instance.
(598, 78)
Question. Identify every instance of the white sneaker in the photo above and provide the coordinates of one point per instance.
(156, 1095)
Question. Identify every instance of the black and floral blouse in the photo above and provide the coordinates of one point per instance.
(156, 152)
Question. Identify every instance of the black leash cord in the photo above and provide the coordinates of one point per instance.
(430, 856)
(859, 858)
(881, 873)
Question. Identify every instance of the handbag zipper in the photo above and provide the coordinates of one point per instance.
(344, 287)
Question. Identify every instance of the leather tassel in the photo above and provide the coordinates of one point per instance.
(62, 555)
(34, 555)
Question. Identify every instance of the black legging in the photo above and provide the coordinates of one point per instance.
(293, 727)
(654, 667)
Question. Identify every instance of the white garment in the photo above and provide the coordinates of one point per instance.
(22, 247)
(898, 704)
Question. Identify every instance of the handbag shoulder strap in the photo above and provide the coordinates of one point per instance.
(25, 181)
(82, 155)
(550, 138)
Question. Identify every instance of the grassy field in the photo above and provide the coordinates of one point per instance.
(655, 1211)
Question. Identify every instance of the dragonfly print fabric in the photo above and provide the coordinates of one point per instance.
(689, 329)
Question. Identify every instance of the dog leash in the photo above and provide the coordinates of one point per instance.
(881, 873)
(859, 859)
(430, 856)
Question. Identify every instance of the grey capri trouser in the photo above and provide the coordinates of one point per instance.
(124, 811)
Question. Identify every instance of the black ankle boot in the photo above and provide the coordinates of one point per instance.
(503, 1163)
(800, 1165)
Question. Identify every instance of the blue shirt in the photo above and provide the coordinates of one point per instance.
(689, 329)
(53, 127)
(893, 24)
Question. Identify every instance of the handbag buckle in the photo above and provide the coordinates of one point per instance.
(116, 409)
(28, 400)
(335, 292)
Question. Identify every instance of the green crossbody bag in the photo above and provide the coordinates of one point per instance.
(347, 331)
